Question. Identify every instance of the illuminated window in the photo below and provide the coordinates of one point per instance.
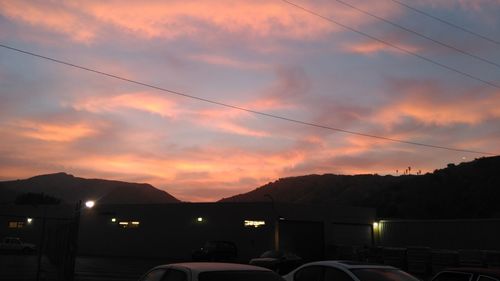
(256, 224)
(129, 224)
(16, 224)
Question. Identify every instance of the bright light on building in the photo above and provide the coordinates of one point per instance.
(250, 223)
(129, 224)
(375, 225)
(113, 220)
(29, 220)
(199, 219)
(89, 204)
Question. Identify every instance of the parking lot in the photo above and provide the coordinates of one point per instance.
(24, 268)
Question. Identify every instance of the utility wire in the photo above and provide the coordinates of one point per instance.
(394, 46)
(241, 108)
(419, 34)
(447, 22)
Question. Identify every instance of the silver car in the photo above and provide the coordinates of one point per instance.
(347, 271)
(210, 271)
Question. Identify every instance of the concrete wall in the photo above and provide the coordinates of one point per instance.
(480, 234)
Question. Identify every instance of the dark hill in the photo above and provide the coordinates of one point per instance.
(467, 190)
(70, 189)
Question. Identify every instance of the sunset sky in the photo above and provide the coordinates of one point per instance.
(266, 56)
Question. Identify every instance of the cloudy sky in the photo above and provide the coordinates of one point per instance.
(266, 56)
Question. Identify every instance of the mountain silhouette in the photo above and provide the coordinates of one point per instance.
(70, 189)
(467, 190)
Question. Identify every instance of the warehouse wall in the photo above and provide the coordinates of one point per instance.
(441, 234)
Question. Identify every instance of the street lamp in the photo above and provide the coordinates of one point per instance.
(89, 204)
(277, 219)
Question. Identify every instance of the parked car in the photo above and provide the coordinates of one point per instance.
(16, 245)
(468, 274)
(347, 271)
(210, 271)
(279, 261)
(222, 251)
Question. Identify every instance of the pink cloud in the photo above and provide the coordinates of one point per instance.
(53, 132)
(228, 62)
(148, 102)
(50, 16)
(419, 100)
(83, 21)
(374, 47)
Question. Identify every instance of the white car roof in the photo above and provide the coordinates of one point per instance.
(198, 267)
(349, 264)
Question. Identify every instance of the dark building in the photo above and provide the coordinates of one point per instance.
(173, 231)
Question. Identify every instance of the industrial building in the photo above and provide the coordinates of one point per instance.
(174, 231)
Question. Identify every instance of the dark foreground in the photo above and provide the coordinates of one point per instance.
(24, 268)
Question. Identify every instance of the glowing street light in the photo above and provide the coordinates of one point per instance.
(89, 204)
(78, 209)
(199, 219)
(29, 220)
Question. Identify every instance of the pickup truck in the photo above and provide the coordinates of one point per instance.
(16, 245)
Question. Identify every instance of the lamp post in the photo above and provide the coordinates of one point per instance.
(74, 243)
(41, 243)
(277, 219)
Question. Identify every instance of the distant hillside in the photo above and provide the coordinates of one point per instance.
(70, 189)
(467, 190)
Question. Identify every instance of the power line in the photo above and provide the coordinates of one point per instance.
(419, 34)
(447, 22)
(241, 108)
(394, 46)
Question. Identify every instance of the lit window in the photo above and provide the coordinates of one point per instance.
(16, 224)
(123, 224)
(250, 223)
(129, 224)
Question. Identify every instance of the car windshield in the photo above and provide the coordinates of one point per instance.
(243, 275)
(382, 274)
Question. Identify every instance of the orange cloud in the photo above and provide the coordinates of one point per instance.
(373, 47)
(50, 16)
(54, 132)
(84, 20)
(228, 62)
(143, 101)
(426, 107)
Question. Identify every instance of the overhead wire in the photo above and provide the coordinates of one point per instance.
(238, 107)
(447, 22)
(404, 50)
(421, 35)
